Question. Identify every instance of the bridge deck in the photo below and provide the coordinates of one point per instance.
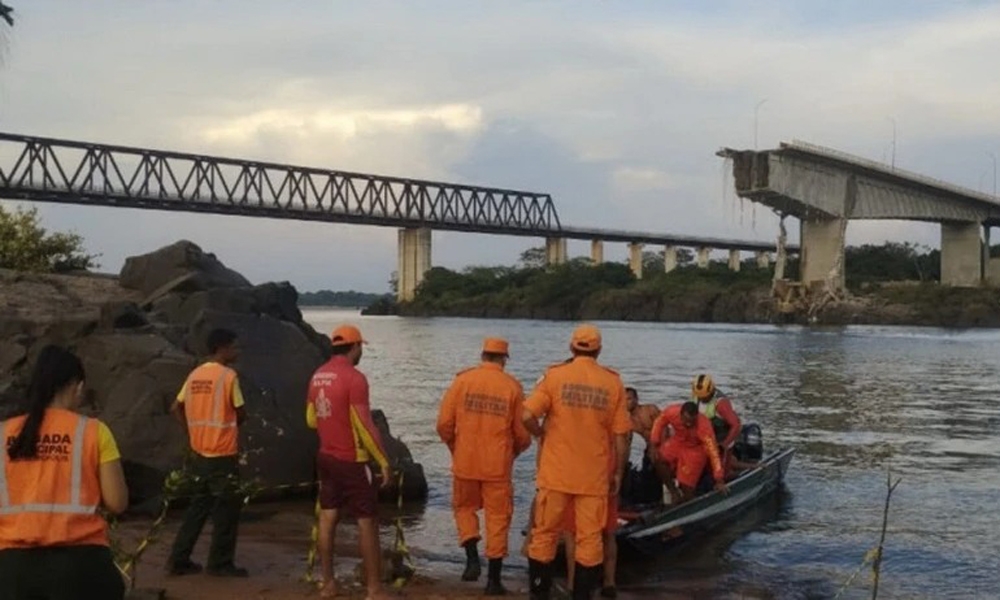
(40, 169)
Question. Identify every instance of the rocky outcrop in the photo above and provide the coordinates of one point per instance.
(140, 335)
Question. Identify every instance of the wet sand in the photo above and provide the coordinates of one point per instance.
(273, 547)
(273, 544)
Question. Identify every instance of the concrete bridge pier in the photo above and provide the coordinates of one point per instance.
(703, 257)
(414, 260)
(555, 251)
(669, 258)
(596, 252)
(763, 259)
(822, 253)
(635, 259)
(734, 260)
(961, 254)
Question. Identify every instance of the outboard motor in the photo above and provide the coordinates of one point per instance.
(750, 445)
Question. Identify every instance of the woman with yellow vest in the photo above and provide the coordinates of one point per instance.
(59, 467)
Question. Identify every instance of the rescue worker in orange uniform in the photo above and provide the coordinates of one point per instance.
(684, 455)
(608, 589)
(719, 411)
(210, 404)
(338, 409)
(57, 468)
(583, 404)
(480, 421)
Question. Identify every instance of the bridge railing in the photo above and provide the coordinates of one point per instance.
(53, 170)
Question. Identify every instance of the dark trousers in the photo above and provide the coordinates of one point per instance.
(59, 573)
(213, 483)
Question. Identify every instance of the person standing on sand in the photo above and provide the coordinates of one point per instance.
(56, 469)
(583, 404)
(337, 408)
(210, 405)
(480, 421)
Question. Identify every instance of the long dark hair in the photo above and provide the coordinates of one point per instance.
(55, 369)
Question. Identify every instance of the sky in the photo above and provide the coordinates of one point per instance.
(616, 109)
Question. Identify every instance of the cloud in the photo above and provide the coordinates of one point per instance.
(616, 111)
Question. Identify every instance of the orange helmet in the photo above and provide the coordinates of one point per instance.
(702, 386)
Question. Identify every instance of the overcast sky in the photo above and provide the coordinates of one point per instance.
(614, 108)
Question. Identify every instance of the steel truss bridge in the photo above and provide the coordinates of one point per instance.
(41, 169)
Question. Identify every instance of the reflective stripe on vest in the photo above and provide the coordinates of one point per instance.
(218, 419)
(76, 477)
(708, 408)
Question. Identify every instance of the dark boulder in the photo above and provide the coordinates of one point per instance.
(182, 265)
(139, 340)
(402, 463)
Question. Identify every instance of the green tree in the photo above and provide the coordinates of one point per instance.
(7, 14)
(533, 258)
(26, 246)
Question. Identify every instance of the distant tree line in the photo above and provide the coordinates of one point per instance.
(580, 289)
(350, 299)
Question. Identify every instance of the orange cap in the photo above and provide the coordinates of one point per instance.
(346, 334)
(586, 338)
(495, 346)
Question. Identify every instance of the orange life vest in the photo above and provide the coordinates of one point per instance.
(208, 408)
(52, 500)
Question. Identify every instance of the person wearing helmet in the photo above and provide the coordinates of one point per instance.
(719, 410)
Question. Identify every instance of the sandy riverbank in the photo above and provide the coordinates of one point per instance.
(273, 545)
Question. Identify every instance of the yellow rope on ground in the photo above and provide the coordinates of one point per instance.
(869, 558)
(313, 546)
(400, 548)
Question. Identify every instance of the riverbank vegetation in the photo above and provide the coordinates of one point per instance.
(27, 246)
(889, 283)
(349, 299)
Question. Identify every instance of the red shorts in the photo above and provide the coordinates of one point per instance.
(569, 517)
(346, 485)
(687, 462)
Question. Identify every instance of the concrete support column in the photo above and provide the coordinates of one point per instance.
(555, 251)
(414, 261)
(763, 259)
(821, 257)
(635, 259)
(703, 257)
(734, 260)
(669, 258)
(596, 251)
(961, 254)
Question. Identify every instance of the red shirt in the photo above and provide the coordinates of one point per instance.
(338, 401)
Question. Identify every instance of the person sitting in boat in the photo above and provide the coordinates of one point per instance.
(683, 456)
(642, 415)
(719, 410)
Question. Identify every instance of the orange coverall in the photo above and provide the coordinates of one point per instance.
(688, 449)
(584, 408)
(480, 421)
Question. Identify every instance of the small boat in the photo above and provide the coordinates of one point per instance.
(648, 528)
(652, 529)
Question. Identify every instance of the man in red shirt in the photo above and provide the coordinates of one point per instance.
(684, 454)
(338, 409)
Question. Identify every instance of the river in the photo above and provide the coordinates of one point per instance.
(851, 400)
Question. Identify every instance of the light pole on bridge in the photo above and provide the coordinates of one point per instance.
(893, 163)
(994, 157)
(756, 113)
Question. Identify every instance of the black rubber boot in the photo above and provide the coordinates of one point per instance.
(472, 566)
(494, 587)
(586, 581)
(539, 579)
(609, 591)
